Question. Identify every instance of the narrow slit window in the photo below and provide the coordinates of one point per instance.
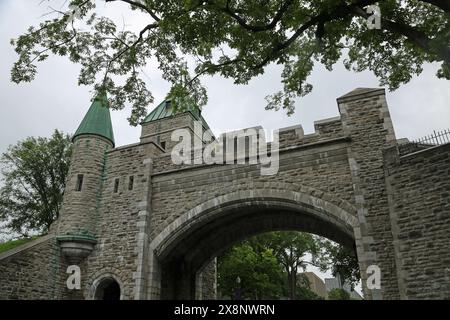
(168, 107)
(235, 150)
(163, 145)
(130, 183)
(116, 185)
(79, 184)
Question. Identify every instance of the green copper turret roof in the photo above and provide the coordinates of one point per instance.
(97, 120)
(165, 110)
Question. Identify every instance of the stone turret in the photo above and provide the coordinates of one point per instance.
(158, 126)
(79, 212)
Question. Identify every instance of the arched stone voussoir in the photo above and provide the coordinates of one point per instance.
(102, 274)
(215, 208)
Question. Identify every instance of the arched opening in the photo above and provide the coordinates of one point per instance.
(195, 239)
(287, 265)
(108, 289)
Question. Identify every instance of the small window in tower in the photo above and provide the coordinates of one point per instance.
(116, 185)
(163, 145)
(169, 107)
(79, 184)
(130, 183)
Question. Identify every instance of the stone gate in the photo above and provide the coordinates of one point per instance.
(141, 227)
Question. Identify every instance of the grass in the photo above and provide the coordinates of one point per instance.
(5, 246)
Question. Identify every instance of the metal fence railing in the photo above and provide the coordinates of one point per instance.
(432, 140)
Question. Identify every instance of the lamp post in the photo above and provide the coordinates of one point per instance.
(237, 294)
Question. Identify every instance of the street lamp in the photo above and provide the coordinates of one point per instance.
(237, 294)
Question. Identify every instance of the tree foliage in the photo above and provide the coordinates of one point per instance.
(290, 248)
(34, 176)
(338, 294)
(303, 289)
(343, 261)
(236, 39)
(259, 272)
(271, 264)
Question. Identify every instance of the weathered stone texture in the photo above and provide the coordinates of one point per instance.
(32, 272)
(366, 120)
(207, 282)
(419, 190)
(321, 171)
(161, 130)
(79, 209)
(117, 227)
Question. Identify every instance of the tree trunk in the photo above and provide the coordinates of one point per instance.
(294, 283)
(292, 279)
(289, 285)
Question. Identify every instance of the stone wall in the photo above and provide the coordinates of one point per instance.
(418, 185)
(122, 221)
(321, 169)
(79, 209)
(159, 131)
(207, 282)
(31, 271)
(366, 120)
(119, 218)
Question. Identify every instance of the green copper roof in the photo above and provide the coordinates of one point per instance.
(97, 121)
(165, 110)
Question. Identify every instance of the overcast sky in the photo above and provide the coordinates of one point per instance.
(54, 100)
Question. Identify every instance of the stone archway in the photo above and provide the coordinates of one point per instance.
(106, 287)
(189, 242)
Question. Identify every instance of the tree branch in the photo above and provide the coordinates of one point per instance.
(441, 4)
(141, 6)
(128, 47)
(215, 66)
(414, 35)
(255, 28)
(337, 12)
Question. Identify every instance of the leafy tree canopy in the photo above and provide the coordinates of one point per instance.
(343, 261)
(290, 248)
(270, 265)
(34, 176)
(338, 294)
(303, 290)
(236, 39)
(259, 273)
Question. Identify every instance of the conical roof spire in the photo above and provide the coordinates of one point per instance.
(97, 120)
(165, 110)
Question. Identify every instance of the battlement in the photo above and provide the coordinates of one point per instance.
(248, 146)
(324, 130)
(243, 146)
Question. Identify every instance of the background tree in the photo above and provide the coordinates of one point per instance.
(267, 257)
(34, 176)
(303, 289)
(343, 261)
(291, 249)
(260, 274)
(236, 39)
(338, 294)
